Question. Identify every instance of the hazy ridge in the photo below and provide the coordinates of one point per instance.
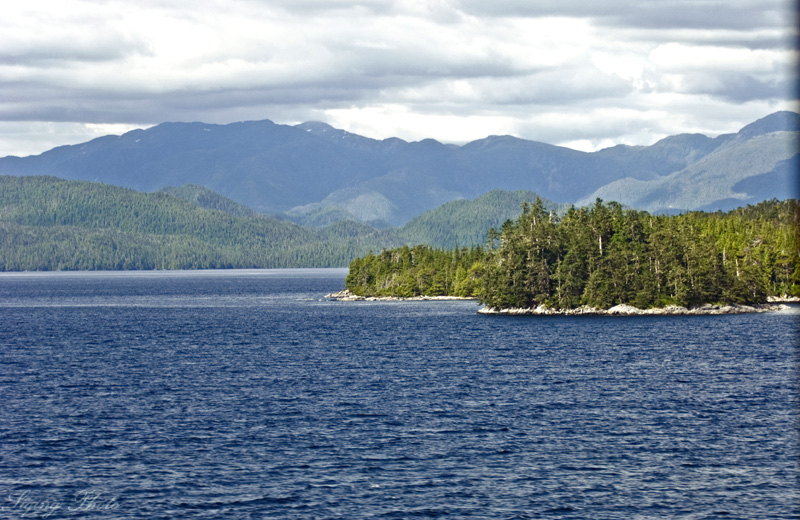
(318, 175)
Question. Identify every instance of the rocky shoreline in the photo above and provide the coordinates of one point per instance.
(347, 296)
(628, 310)
(774, 304)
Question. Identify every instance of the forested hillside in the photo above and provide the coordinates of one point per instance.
(465, 222)
(603, 256)
(51, 224)
(598, 256)
(205, 198)
(48, 223)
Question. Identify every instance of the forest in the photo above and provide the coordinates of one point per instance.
(601, 256)
(49, 224)
(597, 256)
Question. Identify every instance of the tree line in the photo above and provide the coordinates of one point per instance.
(601, 256)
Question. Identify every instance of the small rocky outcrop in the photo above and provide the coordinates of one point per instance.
(344, 296)
(347, 296)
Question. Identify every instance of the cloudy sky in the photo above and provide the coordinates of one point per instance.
(583, 74)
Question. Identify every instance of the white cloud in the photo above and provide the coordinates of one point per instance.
(689, 58)
(618, 71)
(383, 121)
(31, 138)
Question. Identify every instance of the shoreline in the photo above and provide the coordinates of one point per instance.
(347, 296)
(773, 305)
(628, 310)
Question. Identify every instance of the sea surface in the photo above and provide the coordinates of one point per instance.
(246, 394)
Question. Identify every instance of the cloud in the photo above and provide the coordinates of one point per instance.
(448, 69)
(694, 14)
(652, 14)
(734, 74)
(28, 137)
(681, 57)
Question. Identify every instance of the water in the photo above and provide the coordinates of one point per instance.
(244, 394)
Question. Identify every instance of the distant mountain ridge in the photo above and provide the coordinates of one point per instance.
(726, 176)
(319, 175)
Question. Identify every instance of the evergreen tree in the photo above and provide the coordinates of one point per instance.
(606, 255)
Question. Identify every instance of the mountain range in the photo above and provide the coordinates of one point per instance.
(317, 175)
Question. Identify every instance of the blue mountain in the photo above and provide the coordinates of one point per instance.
(318, 174)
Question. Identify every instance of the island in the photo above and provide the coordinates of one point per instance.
(604, 259)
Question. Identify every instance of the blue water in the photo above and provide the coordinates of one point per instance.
(245, 394)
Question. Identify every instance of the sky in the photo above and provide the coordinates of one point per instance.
(581, 74)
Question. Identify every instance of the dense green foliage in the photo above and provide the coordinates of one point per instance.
(602, 256)
(596, 256)
(205, 198)
(51, 224)
(416, 271)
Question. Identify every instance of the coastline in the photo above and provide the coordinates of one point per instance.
(628, 310)
(347, 296)
(773, 305)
